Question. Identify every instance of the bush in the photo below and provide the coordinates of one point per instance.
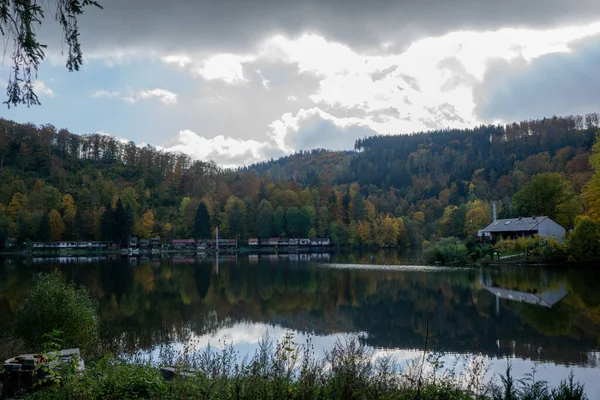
(55, 304)
(447, 251)
(583, 244)
(536, 248)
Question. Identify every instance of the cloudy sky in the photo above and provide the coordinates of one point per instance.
(239, 81)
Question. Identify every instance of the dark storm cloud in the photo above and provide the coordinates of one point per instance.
(555, 84)
(234, 25)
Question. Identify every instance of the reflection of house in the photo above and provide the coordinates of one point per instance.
(547, 298)
(523, 227)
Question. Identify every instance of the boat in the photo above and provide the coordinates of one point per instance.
(22, 373)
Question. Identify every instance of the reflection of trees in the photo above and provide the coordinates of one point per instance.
(162, 301)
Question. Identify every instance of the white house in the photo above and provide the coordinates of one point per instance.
(523, 227)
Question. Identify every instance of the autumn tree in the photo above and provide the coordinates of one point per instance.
(386, 234)
(144, 228)
(18, 202)
(478, 216)
(57, 226)
(69, 213)
(548, 195)
(202, 226)
(591, 191)
(364, 234)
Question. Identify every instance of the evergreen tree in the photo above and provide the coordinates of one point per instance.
(202, 226)
(279, 221)
(43, 233)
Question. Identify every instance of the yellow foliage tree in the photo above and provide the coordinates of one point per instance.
(387, 233)
(591, 191)
(478, 217)
(69, 207)
(18, 202)
(364, 234)
(57, 226)
(144, 228)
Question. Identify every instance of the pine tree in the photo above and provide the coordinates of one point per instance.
(202, 226)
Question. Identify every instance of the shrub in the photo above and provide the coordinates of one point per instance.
(583, 244)
(55, 304)
(447, 251)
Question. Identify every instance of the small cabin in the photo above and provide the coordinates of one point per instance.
(513, 228)
(189, 244)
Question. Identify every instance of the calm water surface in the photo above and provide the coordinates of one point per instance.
(547, 318)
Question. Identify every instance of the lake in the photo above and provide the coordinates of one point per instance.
(547, 318)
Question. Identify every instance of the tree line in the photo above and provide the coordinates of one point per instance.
(392, 191)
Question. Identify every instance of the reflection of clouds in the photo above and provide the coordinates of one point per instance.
(245, 338)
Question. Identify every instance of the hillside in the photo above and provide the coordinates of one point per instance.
(389, 191)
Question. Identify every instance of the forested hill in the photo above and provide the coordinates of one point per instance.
(389, 191)
(429, 162)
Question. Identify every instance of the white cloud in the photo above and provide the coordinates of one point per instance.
(430, 85)
(39, 87)
(315, 128)
(180, 59)
(162, 95)
(105, 93)
(226, 151)
(225, 67)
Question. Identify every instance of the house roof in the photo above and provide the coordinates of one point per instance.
(515, 225)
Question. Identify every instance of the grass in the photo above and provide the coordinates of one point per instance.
(287, 370)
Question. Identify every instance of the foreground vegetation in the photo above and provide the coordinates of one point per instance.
(285, 370)
(280, 370)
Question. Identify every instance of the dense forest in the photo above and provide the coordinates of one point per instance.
(390, 191)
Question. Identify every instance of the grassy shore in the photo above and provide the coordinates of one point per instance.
(286, 370)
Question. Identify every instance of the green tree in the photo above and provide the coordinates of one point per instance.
(202, 226)
(51, 304)
(292, 221)
(308, 220)
(547, 195)
(323, 222)
(583, 244)
(264, 219)
(18, 24)
(279, 221)
(235, 214)
(358, 207)
(338, 233)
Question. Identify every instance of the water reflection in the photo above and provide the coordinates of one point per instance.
(542, 314)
